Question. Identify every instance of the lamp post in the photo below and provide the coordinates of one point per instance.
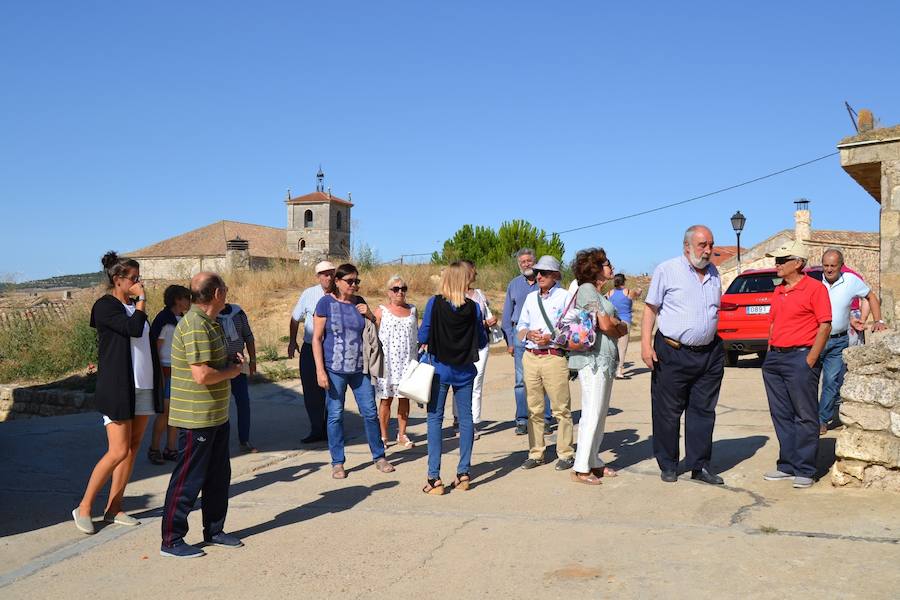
(737, 223)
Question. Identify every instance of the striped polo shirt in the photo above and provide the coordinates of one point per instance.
(198, 340)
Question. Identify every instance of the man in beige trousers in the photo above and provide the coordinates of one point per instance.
(545, 365)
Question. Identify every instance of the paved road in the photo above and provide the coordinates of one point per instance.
(515, 534)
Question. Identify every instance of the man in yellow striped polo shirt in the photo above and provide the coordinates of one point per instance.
(201, 376)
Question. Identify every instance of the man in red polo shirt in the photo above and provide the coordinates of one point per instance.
(800, 323)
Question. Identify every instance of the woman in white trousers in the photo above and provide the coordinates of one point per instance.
(596, 367)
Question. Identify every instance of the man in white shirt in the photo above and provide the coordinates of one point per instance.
(545, 365)
(842, 289)
(313, 395)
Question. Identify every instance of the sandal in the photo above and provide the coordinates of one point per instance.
(604, 472)
(384, 466)
(385, 442)
(585, 478)
(434, 487)
(404, 441)
(462, 481)
(170, 455)
(338, 472)
(155, 456)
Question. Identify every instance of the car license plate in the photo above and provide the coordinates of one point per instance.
(758, 310)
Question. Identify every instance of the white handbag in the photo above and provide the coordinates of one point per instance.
(495, 333)
(415, 383)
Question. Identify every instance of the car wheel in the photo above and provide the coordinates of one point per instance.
(731, 358)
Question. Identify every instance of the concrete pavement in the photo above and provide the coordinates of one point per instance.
(528, 534)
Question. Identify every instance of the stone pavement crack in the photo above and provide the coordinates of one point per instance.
(826, 536)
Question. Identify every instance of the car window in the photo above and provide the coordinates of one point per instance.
(754, 284)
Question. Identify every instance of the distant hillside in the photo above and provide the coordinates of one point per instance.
(81, 280)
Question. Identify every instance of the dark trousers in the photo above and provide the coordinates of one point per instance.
(686, 382)
(240, 389)
(203, 465)
(792, 387)
(313, 395)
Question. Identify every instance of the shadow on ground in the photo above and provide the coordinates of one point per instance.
(331, 501)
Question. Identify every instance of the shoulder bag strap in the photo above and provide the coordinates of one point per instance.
(544, 314)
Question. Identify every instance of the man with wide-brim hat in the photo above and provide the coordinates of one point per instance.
(800, 323)
(546, 369)
(313, 395)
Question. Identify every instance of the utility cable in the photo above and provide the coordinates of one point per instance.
(700, 197)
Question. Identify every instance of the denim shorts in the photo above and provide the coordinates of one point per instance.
(143, 405)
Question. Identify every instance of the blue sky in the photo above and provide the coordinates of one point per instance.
(126, 123)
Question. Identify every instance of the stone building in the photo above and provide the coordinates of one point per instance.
(318, 227)
(860, 248)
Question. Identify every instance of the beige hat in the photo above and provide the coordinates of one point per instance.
(793, 248)
(324, 266)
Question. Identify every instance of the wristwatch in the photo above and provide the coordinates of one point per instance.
(880, 321)
(141, 298)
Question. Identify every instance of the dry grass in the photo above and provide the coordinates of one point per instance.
(62, 347)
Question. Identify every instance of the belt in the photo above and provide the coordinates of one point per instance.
(546, 351)
(837, 335)
(789, 348)
(679, 346)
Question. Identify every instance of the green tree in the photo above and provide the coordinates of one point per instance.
(487, 247)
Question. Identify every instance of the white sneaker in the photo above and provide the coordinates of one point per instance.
(776, 475)
(803, 482)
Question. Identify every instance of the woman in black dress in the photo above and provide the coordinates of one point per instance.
(128, 386)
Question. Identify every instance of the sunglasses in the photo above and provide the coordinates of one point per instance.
(399, 288)
(543, 273)
(352, 281)
(784, 259)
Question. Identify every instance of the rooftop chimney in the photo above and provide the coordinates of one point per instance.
(802, 220)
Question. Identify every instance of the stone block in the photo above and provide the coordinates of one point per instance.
(874, 369)
(840, 478)
(869, 389)
(880, 478)
(870, 417)
(6, 392)
(895, 423)
(6, 404)
(5, 415)
(870, 446)
(854, 468)
(890, 339)
(868, 354)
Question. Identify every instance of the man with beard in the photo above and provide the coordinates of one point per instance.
(516, 292)
(686, 356)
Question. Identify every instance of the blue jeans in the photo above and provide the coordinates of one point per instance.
(519, 389)
(833, 369)
(462, 395)
(361, 384)
(240, 389)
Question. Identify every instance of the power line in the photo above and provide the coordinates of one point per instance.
(700, 197)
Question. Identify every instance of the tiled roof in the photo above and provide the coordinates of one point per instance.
(268, 242)
(846, 238)
(723, 253)
(318, 197)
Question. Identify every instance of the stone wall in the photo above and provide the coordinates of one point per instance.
(40, 401)
(868, 449)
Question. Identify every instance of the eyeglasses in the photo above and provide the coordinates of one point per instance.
(543, 273)
(352, 281)
(784, 259)
(132, 279)
(399, 288)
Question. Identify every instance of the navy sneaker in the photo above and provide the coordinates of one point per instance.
(223, 539)
(181, 550)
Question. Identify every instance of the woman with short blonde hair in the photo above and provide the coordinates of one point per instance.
(397, 328)
(452, 332)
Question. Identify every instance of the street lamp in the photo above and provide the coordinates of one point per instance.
(737, 223)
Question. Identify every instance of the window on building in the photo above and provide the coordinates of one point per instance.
(340, 219)
(301, 245)
(307, 218)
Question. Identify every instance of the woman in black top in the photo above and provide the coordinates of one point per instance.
(128, 386)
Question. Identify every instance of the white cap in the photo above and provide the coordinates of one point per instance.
(324, 266)
(793, 248)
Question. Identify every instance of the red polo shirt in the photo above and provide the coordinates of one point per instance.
(797, 312)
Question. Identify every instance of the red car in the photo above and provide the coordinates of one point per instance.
(744, 312)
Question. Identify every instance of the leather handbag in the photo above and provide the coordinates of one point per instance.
(415, 383)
